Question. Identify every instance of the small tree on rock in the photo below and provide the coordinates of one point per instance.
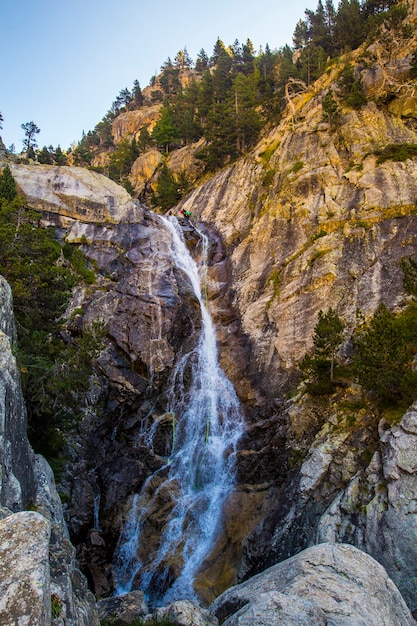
(319, 366)
(29, 142)
(8, 189)
(331, 110)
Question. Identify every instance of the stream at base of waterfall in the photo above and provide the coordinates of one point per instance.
(186, 497)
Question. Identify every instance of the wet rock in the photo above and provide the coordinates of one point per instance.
(324, 584)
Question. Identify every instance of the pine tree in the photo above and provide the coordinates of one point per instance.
(351, 89)
(165, 133)
(381, 358)
(8, 189)
(29, 142)
(137, 96)
(300, 36)
(202, 61)
(124, 99)
(319, 366)
(247, 120)
(205, 96)
(59, 157)
(331, 110)
(349, 27)
(45, 156)
(409, 268)
(167, 194)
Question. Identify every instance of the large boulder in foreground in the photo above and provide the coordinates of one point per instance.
(25, 595)
(326, 584)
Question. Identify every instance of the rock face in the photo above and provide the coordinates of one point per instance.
(340, 494)
(326, 584)
(39, 580)
(129, 124)
(376, 511)
(17, 483)
(25, 583)
(310, 220)
(144, 169)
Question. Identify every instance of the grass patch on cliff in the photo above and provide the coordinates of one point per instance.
(396, 152)
(275, 279)
(268, 152)
(268, 177)
(318, 254)
(298, 165)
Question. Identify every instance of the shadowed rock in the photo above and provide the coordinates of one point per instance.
(328, 583)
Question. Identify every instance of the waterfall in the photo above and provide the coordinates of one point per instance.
(199, 475)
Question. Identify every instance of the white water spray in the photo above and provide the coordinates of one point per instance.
(199, 474)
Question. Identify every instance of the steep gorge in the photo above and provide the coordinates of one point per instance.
(308, 220)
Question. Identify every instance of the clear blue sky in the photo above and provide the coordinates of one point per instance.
(62, 63)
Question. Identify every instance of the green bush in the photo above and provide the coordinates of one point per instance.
(268, 177)
(351, 89)
(298, 165)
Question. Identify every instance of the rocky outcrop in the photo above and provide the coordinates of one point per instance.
(376, 511)
(128, 125)
(343, 492)
(328, 583)
(144, 170)
(39, 580)
(67, 194)
(182, 162)
(183, 613)
(127, 608)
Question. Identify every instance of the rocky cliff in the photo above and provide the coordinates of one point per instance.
(149, 311)
(312, 218)
(40, 582)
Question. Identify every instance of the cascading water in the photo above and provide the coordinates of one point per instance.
(199, 475)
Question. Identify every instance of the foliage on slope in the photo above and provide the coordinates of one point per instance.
(227, 99)
(41, 278)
